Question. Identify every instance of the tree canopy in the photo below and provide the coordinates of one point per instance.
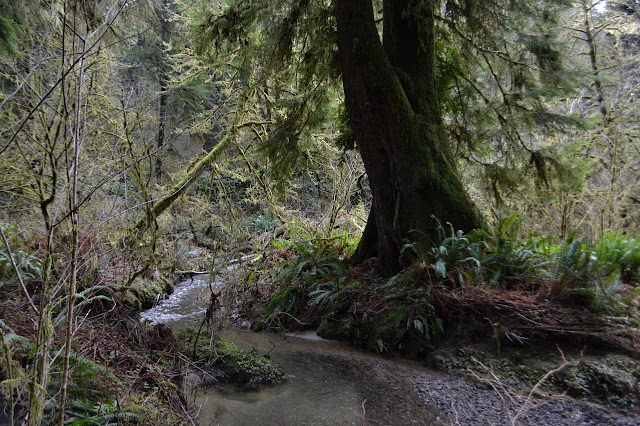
(402, 64)
(482, 155)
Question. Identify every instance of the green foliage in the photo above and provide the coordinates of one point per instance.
(427, 324)
(104, 418)
(11, 23)
(315, 275)
(574, 272)
(184, 255)
(345, 139)
(283, 244)
(450, 70)
(30, 266)
(584, 273)
(87, 372)
(263, 223)
(314, 261)
(90, 387)
(327, 294)
(509, 261)
(93, 413)
(243, 366)
(457, 257)
(218, 183)
(618, 254)
(292, 62)
(82, 299)
(11, 371)
(610, 379)
(573, 264)
(380, 346)
(287, 300)
(345, 242)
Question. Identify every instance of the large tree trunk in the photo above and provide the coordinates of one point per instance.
(392, 102)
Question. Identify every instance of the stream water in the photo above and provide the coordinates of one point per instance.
(329, 383)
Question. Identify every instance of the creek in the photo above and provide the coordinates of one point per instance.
(328, 382)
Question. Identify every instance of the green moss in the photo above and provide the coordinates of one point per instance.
(142, 294)
(613, 379)
(234, 363)
(151, 410)
(246, 367)
(336, 330)
(380, 334)
(377, 334)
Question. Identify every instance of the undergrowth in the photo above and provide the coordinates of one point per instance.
(28, 264)
(506, 284)
(121, 372)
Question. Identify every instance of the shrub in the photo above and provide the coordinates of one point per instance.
(30, 266)
(457, 257)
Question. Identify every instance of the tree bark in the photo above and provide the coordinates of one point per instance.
(392, 102)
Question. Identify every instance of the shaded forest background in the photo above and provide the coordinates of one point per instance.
(141, 140)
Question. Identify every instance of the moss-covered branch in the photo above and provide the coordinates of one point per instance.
(181, 187)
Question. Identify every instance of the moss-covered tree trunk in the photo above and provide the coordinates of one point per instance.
(392, 102)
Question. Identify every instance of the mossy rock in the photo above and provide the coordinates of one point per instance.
(143, 294)
(377, 334)
(245, 367)
(232, 363)
(610, 379)
(336, 329)
(380, 334)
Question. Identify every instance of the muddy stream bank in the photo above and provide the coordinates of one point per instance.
(332, 383)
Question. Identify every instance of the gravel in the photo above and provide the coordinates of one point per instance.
(465, 401)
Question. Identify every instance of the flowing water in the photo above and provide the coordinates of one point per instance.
(329, 383)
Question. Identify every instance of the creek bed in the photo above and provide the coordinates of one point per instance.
(329, 383)
(332, 383)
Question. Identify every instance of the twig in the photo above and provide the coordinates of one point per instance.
(495, 380)
(15, 268)
(453, 408)
(525, 406)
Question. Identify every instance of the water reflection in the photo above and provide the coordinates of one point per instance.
(330, 383)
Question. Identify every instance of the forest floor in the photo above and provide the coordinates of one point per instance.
(121, 370)
(537, 384)
(127, 367)
(122, 366)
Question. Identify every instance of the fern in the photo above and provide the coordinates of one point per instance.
(106, 419)
(261, 224)
(509, 261)
(83, 298)
(458, 256)
(287, 301)
(325, 293)
(618, 254)
(30, 266)
(574, 263)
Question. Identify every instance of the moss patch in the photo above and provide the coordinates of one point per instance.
(246, 367)
(613, 379)
(336, 330)
(596, 375)
(231, 363)
(142, 294)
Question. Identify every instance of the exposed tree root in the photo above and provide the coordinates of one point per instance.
(520, 316)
